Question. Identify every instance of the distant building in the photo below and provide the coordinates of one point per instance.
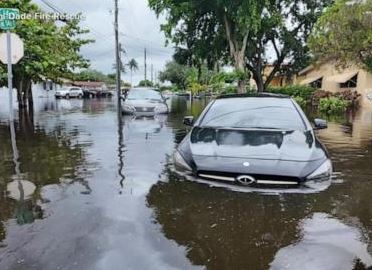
(49, 85)
(279, 79)
(327, 76)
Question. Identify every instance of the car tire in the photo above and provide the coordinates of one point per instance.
(67, 96)
(80, 96)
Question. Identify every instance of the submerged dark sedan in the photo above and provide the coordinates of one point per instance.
(144, 101)
(263, 139)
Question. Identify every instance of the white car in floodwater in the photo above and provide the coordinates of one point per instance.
(69, 92)
(144, 101)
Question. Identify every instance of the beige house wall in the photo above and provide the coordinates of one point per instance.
(327, 70)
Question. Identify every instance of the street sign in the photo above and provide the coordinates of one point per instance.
(8, 17)
(17, 48)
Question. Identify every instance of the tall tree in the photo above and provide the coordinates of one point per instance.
(90, 75)
(133, 66)
(51, 51)
(344, 34)
(176, 74)
(243, 32)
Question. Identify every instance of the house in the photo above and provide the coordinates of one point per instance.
(327, 76)
(279, 79)
(49, 85)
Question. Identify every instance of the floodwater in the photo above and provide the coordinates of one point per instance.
(91, 192)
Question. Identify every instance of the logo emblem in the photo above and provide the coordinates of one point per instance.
(246, 164)
(246, 180)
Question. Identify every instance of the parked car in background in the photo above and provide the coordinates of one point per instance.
(69, 92)
(144, 101)
(254, 140)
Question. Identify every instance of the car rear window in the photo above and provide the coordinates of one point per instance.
(265, 113)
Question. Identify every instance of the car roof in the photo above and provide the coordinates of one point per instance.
(253, 95)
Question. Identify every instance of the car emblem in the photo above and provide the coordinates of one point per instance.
(246, 164)
(145, 109)
(246, 180)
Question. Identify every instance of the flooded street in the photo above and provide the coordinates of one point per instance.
(94, 192)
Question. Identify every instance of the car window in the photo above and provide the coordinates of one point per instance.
(145, 94)
(270, 113)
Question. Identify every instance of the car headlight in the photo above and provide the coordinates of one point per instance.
(324, 171)
(180, 162)
(161, 109)
(129, 108)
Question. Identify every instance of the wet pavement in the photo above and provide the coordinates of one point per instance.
(94, 192)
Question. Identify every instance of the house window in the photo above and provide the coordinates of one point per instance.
(352, 83)
(317, 84)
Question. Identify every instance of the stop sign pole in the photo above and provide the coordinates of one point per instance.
(10, 74)
(7, 22)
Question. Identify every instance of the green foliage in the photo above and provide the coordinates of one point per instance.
(133, 65)
(230, 90)
(333, 105)
(90, 75)
(176, 74)
(301, 101)
(344, 34)
(51, 51)
(301, 91)
(145, 83)
(241, 32)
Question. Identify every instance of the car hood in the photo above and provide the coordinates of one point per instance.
(143, 103)
(255, 144)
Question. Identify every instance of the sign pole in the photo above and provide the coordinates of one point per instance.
(10, 75)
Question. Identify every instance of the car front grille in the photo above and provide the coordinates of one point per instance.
(144, 109)
(261, 179)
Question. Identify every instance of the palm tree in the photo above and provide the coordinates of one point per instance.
(133, 66)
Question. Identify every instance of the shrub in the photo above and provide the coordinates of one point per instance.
(229, 90)
(300, 101)
(305, 92)
(333, 105)
(350, 96)
(318, 95)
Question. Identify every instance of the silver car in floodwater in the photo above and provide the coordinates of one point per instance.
(144, 101)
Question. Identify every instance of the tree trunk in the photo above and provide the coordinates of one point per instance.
(30, 100)
(260, 85)
(24, 95)
(237, 52)
(259, 81)
(131, 77)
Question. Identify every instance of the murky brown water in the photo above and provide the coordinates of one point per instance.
(96, 194)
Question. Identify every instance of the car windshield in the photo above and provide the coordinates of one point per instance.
(260, 113)
(144, 94)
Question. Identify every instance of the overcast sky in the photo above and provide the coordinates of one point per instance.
(138, 26)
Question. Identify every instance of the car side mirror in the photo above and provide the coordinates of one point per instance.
(188, 121)
(320, 124)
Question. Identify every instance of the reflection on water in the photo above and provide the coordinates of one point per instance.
(99, 194)
(325, 242)
(41, 158)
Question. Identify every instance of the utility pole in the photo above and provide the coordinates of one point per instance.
(117, 56)
(152, 73)
(145, 67)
